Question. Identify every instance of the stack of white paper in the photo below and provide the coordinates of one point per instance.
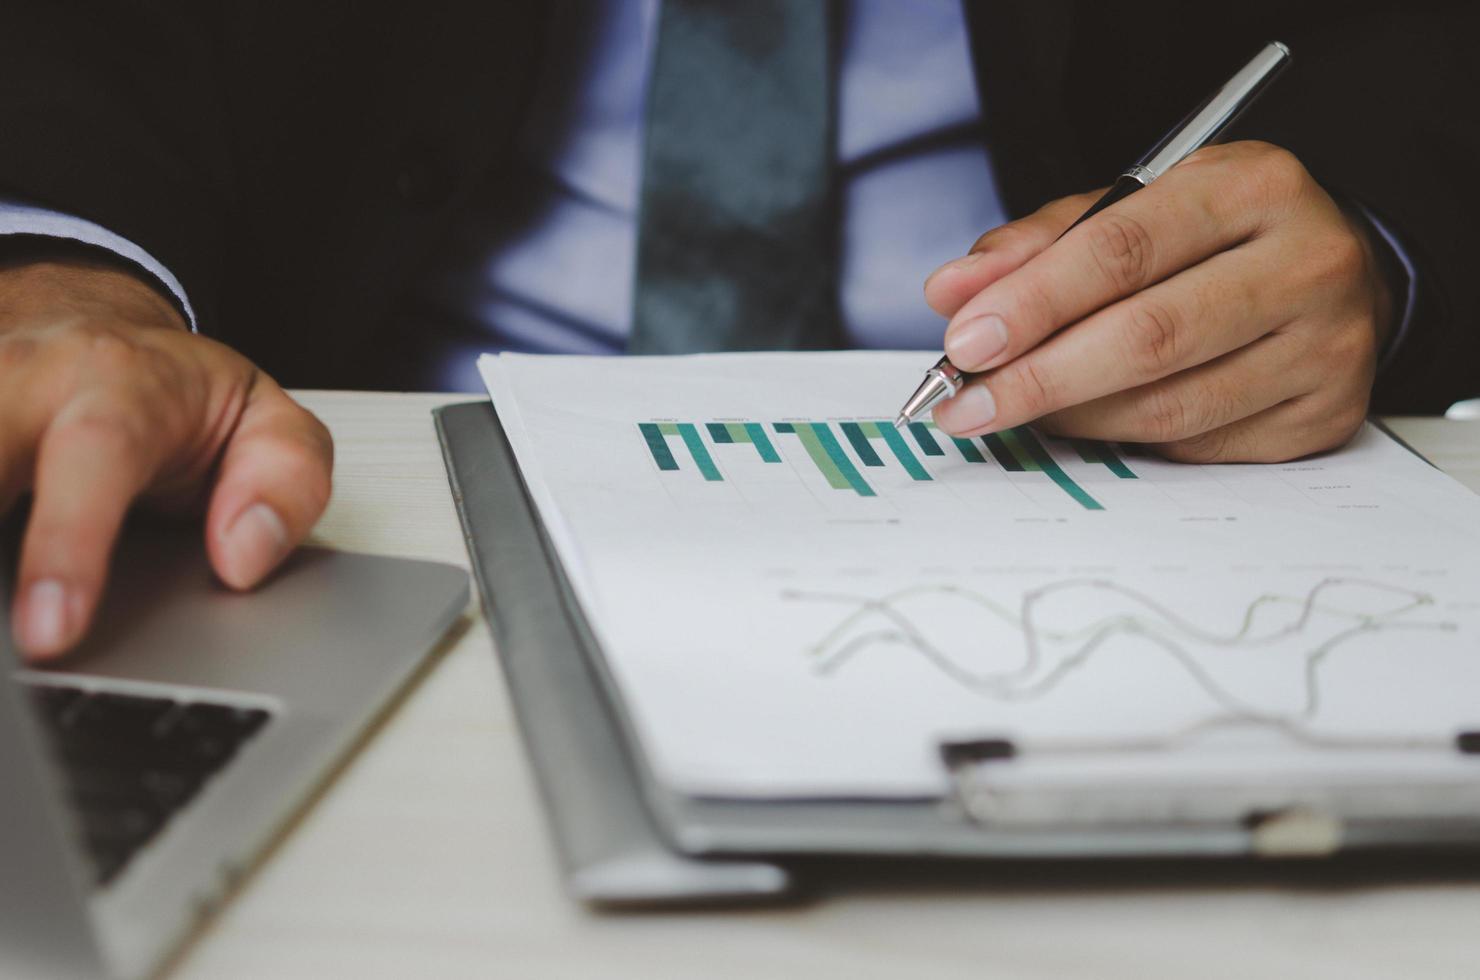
(796, 600)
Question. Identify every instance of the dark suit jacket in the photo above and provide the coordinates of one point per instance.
(295, 164)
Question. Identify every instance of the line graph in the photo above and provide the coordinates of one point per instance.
(1320, 622)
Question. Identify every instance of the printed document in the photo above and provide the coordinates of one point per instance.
(794, 599)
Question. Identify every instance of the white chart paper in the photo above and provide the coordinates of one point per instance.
(795, 600)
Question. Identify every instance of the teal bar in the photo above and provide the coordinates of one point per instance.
(697, 450)
(1108, 457)
(658, 446)
(762, 444)
(927, 442)
(719, 432)
(1002, 454)
(1052, 470)
(820, 458)
(1100, 452)
(1013, 441)
(968, 451)
(840, 459)
(1094, 452)
(861, 445)
(901, 451)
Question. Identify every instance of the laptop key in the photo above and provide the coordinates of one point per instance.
(123, 826)
(96, 787)
(53, 700)
(170, 789)
(118, 715)
(132, 762)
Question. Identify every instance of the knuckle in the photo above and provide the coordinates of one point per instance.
(1164, 417)
(1010, 238)
(303, 467)
(983, 241)
(1122, 249)
(1341, 422)
(108, 350)
(1353, 346)
(1349, 421)
(104, 355)
(1033, 302)
(1339, 260)
(1277, 174)
(1152, 331)
(17, 352)
(1036, 388)
(1205, 447)
(322, 438)
(106, 426)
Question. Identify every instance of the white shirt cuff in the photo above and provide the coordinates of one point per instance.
(19, 218)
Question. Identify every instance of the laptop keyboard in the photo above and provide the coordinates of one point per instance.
(131, 762)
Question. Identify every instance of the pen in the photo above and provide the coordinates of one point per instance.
(1199, 129)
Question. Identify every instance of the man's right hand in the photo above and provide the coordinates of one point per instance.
(106, 398)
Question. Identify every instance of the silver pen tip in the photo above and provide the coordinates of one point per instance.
(932, 391)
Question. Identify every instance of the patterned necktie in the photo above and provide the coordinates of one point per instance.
(736, 229)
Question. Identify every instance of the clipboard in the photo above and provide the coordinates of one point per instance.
(625, 839)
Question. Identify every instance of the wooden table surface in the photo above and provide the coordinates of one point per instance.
(428, 857)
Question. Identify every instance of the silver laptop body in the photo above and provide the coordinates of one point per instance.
(321, 649)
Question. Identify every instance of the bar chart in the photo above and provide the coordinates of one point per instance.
(875, 444)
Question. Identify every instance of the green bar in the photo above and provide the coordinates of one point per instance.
(1108, 457)
(1034, 448)
(658, 446)
(699, 452)
(1086, 450)
(861, 445)
(762, 443)
(840, 459)
(901, 450)
(970, 452)
(1092, 451)
(820, 456)
(719, 432)
(1012, 439)
(1002, 454)
(927, 442)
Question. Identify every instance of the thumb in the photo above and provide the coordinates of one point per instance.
(1000, 251)
(272, 487)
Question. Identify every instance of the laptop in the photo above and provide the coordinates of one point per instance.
(142, 775)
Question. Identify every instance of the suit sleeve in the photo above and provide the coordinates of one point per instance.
(111, 113)
(1382, 108)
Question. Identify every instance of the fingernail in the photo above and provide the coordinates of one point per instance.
(956, 265)
(972, 344)
(252, 546)
(43, 619)
(972, 409)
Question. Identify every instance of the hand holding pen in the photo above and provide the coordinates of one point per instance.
(1230, 311)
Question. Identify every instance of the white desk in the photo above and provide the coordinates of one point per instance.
(428, 857)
